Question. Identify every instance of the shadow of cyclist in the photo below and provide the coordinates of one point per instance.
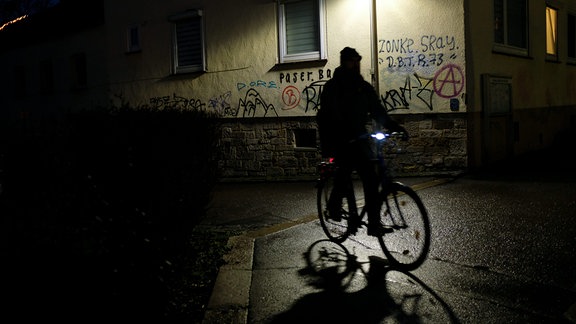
(381, 293)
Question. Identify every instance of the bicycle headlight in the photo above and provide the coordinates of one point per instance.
(379, 136)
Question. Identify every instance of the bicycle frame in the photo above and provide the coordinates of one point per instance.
(329, 167)
(405, 237)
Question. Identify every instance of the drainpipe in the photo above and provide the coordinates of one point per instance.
(374, 47)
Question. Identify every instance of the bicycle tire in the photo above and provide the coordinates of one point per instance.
(408, 243)
(336, 231)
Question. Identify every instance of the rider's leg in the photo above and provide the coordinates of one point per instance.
(341, 180)
(370, 183)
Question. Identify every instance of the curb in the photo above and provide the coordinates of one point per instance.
(230, 296)
(231, 293)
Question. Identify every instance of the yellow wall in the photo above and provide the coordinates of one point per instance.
(421, 53)
(431, 59)
(543, 91)
(242, 56)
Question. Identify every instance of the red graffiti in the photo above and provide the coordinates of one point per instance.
(291, 97)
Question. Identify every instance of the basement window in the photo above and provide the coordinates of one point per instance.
(305, 138)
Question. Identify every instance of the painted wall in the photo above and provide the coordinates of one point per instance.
(240, 35)
(431, 57)
(421, 55)
(63, 97)
(419, 72)
(543, 95)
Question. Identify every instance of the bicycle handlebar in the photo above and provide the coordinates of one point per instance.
(380, 136)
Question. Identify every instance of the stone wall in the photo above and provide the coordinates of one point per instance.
(267, 148)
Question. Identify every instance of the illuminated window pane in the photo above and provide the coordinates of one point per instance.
(551, 31)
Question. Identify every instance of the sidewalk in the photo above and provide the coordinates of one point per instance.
(265, 208)
(262, 279)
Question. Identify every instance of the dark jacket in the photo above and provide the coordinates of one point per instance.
(347, 104)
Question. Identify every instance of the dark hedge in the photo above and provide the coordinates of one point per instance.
(96, 206)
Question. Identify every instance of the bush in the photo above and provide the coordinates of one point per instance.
(99, 204)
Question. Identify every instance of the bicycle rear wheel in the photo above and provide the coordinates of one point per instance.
(332, 263)
(408, 243)
(335, 230)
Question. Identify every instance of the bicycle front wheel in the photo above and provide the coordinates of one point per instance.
(407, 241)
(337, 230)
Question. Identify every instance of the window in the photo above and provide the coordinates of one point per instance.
(46, 77)
(571, 34)
(188, 42)
(305, 138)
(511, 26)
(20, 82)
(133, 39)
(301, 30)
(551, 33)
(78, 71)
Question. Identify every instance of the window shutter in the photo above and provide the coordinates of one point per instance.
(189, 42)
(302, 27)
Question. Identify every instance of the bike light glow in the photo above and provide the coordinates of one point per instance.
(379, 136)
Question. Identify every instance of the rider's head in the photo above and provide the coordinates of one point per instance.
(350, 59)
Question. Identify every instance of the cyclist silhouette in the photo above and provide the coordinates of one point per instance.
(348, 103)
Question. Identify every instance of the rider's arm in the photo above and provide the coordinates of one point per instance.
(381, 116)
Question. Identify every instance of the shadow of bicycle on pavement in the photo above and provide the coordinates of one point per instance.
(362, 292)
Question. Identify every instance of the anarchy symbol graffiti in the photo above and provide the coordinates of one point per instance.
(449, 81)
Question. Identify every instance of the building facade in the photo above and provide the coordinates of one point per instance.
(474, 82)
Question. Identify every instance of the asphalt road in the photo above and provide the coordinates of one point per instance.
(503, 251)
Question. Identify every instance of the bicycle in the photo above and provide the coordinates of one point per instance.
(406, 241)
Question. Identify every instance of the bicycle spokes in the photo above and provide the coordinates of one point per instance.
(408, 244)
(336, 227)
